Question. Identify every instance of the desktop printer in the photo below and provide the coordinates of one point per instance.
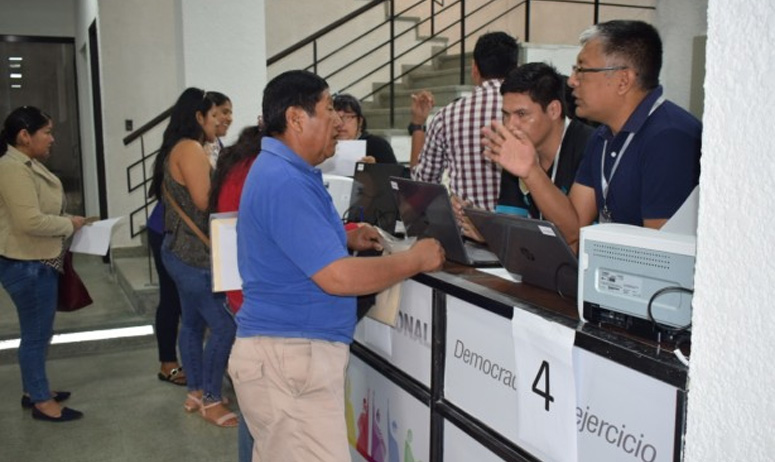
(622, 267)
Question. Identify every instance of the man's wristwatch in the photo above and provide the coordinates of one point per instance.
(414, 127)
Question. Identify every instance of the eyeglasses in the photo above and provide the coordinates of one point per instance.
(347, 117)
(583, 70)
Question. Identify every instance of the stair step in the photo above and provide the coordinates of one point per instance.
(436, 77)
(141, 289)
(442, 95)
(447, 61)
(379, 119)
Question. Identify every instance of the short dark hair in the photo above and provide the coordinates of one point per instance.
(495, 54)
(349, 103)
(636, 42)
(541, 81)
(295, 88)
(27, 118)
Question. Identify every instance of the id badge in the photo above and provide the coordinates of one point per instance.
(605, 216)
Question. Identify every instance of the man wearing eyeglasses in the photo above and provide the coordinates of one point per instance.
(641, 163)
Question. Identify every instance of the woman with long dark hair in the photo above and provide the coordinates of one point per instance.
(182, 178)
(33, 232)
(168, 309)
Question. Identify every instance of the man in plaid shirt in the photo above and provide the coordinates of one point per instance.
(453, 142)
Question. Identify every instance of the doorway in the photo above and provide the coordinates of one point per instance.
(40, 72)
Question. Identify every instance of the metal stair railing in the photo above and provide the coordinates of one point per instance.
(139, 216)
(369, 48)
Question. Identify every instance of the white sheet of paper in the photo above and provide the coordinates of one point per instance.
(502, 273)
(348, 152)
(94, 238)
(684, 220)
(546, 399)
(223, 238)
(378, 335)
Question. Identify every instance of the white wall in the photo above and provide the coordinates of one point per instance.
(144, 69)
(678, 22)
(224, 49)
(86, 12)
(38, 17)
(731, 375)
(138, 77)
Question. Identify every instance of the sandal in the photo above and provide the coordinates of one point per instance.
(227, 420)
(175, 377)
(192, 403)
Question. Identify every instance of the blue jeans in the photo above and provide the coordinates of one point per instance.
(33, 289)
(200, 308)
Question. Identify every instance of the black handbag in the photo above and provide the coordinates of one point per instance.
(73, 294)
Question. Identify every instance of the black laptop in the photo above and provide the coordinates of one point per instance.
(534, 249)
(372, 200)
(426, 211)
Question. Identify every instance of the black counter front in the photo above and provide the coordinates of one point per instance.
(481, 368)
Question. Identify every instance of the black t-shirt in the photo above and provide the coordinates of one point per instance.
(513, 200)
(379, 149)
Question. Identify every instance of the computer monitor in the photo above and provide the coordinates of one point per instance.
(372, 200)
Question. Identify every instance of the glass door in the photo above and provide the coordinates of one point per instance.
(40, 71)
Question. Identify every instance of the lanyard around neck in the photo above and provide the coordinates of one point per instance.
(555, 167)
(605, 183)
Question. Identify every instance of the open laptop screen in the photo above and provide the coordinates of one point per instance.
(426, 211)
(372, 200)
(532, 248)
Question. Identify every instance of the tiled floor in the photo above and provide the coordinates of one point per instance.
(111, 307)
(129, 414)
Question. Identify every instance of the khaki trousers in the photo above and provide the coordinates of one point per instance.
(291, 394)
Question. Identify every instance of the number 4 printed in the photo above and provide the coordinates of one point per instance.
(545, 393)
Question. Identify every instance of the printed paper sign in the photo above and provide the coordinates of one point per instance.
(546, 398)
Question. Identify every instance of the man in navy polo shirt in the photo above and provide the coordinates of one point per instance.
(641, 163)
(299, 283)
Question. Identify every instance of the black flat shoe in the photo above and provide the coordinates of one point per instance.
(59, 396)
(67, 415)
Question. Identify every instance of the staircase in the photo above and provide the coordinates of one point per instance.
(441, 77)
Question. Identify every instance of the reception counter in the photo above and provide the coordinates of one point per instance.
(480, 368)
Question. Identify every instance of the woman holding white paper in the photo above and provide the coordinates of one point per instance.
(353, 127)
(33, 230)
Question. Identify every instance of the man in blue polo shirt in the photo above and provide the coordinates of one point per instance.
(641, 163)
(299, 283)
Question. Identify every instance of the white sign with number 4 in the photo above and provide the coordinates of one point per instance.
(546, 401)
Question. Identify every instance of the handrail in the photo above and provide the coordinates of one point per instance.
(437, 9)
(147, 127)
(334, 25)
